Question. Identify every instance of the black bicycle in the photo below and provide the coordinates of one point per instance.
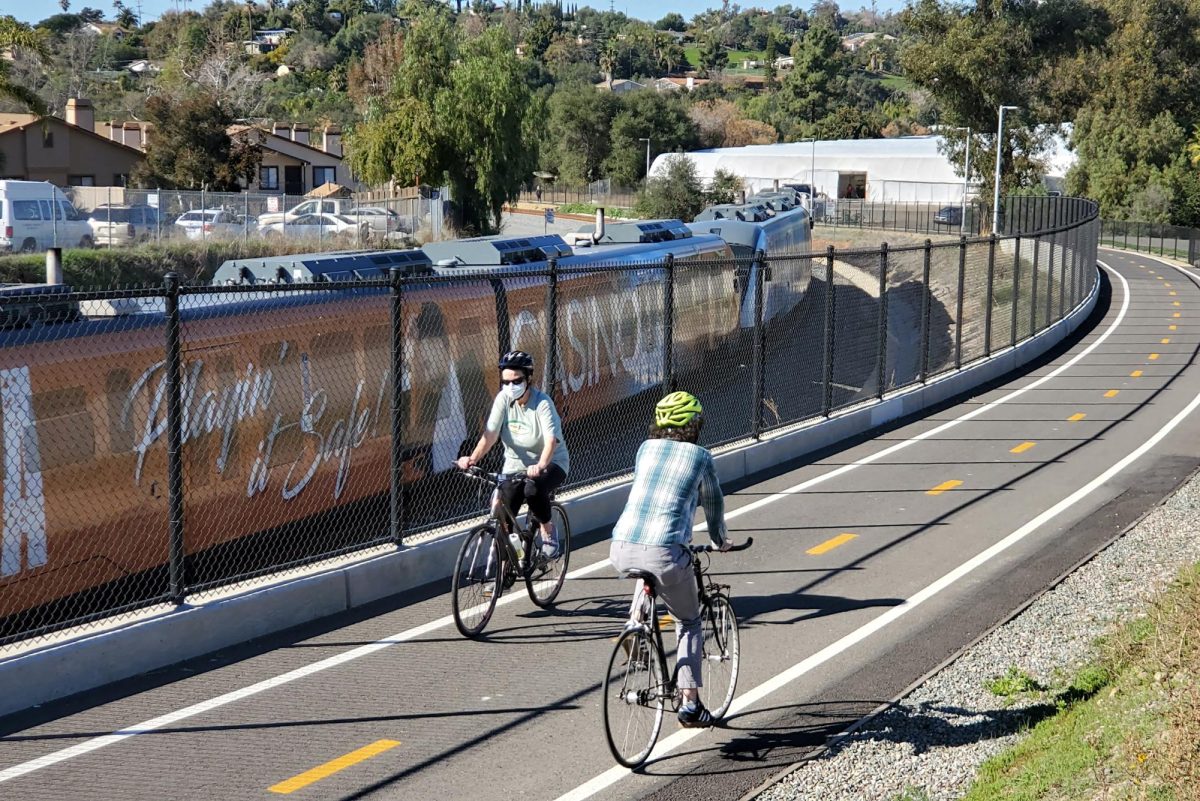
(637, 686)
(498, 552)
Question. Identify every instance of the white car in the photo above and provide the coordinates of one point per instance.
(123, 225)
(320, 227)
(213, 223)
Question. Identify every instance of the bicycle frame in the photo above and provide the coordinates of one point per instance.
(505, 521)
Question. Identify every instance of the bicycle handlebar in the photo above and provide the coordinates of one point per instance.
(709, 549)
(491, 478)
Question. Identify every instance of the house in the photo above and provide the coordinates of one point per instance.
(65, 152)
(143, 68)
(855, 41)
(265, 41)
(785, 63)
(104, 29)
(293, 163)
(689, 83)
(621, 86)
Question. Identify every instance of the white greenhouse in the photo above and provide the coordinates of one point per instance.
(881, 170)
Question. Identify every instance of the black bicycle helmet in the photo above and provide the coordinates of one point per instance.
(517, 360)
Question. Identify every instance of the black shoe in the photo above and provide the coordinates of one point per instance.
(698, 718)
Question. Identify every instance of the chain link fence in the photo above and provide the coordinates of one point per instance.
(161, 444)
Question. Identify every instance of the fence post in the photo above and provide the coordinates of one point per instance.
(397, 511)
(552, 328)
(991, 283)
(1050, 282)
(827, 359)
(1033, 286)
(1016, 293)
(669, 326)
(174, 385)
(246, 216)
(926, 308)
(1064, 239)
(883, 319)
(962, 285)
(757, 268)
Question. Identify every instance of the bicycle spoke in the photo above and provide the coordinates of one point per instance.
(633, 698)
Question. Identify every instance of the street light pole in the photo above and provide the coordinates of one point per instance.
(996, 185)
(812, 180)
(962, 212)
(647, 141)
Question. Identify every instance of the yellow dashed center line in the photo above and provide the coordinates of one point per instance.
(1173, 293)
(1164, 341)
(1167, 285)
(1153, 357)
(830, 544)
(333, 766)
(1159, 277)
(1177, 315)
(1075, 418)
(1136, 374)
(1024, 446)
(945, 485)
(1112, 393)
(1172, 328)
(1176, 303)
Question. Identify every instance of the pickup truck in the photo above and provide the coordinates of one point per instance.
(330, 206)
(384, 223)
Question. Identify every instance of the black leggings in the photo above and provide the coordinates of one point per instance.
(535, 491)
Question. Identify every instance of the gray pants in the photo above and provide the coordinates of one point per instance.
(671, 566)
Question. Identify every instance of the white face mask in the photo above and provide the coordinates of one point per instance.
(515, 391)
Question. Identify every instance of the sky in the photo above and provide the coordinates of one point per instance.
(36, 10)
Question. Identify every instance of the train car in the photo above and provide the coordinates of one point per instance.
(286, 408)
(751, 228)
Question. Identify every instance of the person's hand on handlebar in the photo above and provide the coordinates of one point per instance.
(465, 462)
(725, 546)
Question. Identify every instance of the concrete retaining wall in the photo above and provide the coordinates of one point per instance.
(163, 638)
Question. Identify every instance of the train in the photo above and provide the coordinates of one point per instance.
(286, 396)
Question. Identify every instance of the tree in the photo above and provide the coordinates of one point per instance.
(725, 187)
(676, 193)
(456, 113)
(662, 118)
(19, 36)
(581, 119)
(192, 149)
(671, 22)
(809, 90)
(713, 57)
(772, 53)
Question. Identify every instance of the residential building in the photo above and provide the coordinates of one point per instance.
(267, 40)
(621, 86)
(293, 163)
(857, 40)
(66, 152)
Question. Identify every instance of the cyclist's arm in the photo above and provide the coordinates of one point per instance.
(552, 432)
(491, 433)
(714, 503)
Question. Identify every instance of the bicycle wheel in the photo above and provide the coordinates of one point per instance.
(720, 651)
(633, 698)
(477, 574)
(545, 580)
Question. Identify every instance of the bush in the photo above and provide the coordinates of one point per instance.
(673, 194)
(143, 265)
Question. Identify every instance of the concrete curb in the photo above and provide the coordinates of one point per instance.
(160, 639)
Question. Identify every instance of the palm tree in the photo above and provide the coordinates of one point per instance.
(15, 35)
(609, 57)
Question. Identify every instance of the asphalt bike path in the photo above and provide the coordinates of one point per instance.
(870, 567)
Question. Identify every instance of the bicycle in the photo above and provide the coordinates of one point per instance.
(635, 688)
(490, 562)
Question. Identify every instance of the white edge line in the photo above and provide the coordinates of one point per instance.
(747, 699)
(96, 743)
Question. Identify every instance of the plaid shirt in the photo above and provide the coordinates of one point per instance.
(668, 478)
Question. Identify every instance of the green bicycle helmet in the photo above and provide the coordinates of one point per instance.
(676, 410)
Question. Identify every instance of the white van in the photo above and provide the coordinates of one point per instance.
(36, 215)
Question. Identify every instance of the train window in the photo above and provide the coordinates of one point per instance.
(334, 371)
(64, 427)
(283, 360)
(116, 392)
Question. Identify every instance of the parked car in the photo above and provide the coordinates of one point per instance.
(327, 227)
(217, 223)
(948, 215)
(326, 206)
(382, 221)
(36, 215)
(123, 225)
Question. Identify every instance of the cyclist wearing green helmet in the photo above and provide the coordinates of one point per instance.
(671, 476)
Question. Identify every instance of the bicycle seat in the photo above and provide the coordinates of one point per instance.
(645, 576)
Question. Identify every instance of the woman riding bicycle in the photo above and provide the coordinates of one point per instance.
(525, 420)
(671, 473)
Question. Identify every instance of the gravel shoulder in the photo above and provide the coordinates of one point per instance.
(931, 744)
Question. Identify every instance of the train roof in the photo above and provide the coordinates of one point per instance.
(496, 251)
(742, 212)
(314, 267)
(641, 231)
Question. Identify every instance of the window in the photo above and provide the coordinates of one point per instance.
(120, 179)
(81, 180)
(26, 210)
(268, 177)
(47, 139)
(323, 175)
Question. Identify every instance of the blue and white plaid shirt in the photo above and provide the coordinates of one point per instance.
(668, 479)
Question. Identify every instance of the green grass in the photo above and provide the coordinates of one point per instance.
(1126, 724)
(895, 83)
(587, 208)
(1013, 683)
(692, 54)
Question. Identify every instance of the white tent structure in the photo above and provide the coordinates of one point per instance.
(882, 170)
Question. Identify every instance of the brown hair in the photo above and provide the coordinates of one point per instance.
(689, 432)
